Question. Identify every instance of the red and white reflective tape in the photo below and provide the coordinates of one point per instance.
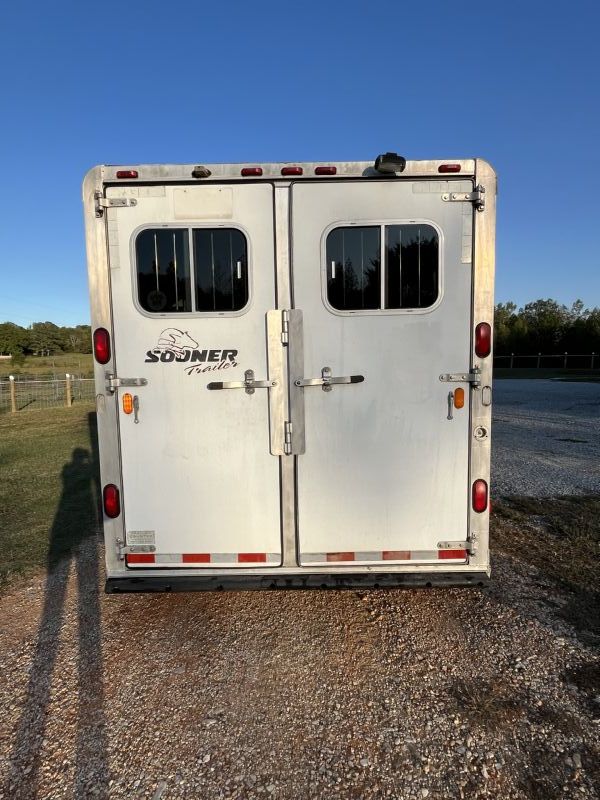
(384, 555)
(202, 559)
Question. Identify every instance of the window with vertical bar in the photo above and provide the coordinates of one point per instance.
(168, 284)
(163, 270)
(407, 277)
(220, 269)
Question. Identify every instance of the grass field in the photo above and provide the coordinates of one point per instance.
(48, 491)
(75, 363)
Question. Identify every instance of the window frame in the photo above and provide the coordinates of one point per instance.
(190, 227)
(381, 224)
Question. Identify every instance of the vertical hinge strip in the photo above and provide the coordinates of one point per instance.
(285, 327)
(287, 438)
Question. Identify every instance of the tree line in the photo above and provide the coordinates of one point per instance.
(543, 326)
(43, 339)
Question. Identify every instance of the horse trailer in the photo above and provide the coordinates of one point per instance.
(293, 368)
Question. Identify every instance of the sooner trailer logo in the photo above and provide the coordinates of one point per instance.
(179, 347)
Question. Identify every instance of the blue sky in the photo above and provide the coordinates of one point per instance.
(133, 82)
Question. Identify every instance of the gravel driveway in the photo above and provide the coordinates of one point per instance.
(545, 438)
(316, 694)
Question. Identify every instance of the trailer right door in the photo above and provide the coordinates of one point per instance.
(382, 272)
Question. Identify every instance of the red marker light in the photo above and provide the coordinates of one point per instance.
(246, 171)
(483, 339)
(480, 496)
(127, 173)
(449, 168)
(325, 170)
(292, 171)
(102, 345)
(111, 500)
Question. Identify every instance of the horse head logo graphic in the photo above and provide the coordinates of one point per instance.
(176, 341)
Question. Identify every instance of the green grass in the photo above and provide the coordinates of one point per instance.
(76, 363)
(48, 491)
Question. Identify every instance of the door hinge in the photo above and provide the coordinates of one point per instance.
(287, 438)
(102, 202)
(467, 544)
(476, 197)
(473, 377)
(123, 549)
(113, 383)
(285, 327)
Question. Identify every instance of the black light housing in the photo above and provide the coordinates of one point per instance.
(200, 172)
(389, 163)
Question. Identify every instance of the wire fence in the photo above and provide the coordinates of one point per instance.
(548, 361)
(19, 395)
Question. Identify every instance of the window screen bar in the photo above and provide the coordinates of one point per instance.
(231, 271)
(419, 271)
(175, 273)
(212, 266)
(156, 268)
(344, 267)
(383, 245)
(192, 269)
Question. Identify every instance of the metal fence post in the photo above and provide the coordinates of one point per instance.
(593, 357)
(565, 361)
(539, 358)
(13, 395)
(68, 390)
(512, 360)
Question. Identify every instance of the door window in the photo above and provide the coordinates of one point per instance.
(218, 281)
(406, 278)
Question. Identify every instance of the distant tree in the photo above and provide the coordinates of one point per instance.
(13, 338)
(46, 339)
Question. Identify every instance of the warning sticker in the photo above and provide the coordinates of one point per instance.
(141, 537)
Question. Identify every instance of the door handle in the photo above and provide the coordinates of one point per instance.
(327, 380)
(249, 383)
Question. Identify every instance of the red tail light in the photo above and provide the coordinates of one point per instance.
(127, 173)
(325, 170)
(102, 345)
(292, 171)
(480, 496)
(252, 171)
(449, 168)
(111, 500)
(483, 339)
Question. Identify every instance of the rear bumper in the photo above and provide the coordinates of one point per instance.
(214, 583)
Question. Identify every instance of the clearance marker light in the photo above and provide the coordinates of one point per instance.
(459, 398)
(480, 496)
(127, 173)
(449, 168)
(102, 345)
(325, 170)
(127, 403)
(483, 339)
(111, 500)
(292, 171)
(246, 171)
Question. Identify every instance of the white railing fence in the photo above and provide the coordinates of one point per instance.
(20, 395)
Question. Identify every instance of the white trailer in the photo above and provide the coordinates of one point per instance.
(293, 372)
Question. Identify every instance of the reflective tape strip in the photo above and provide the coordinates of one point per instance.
(197, 559)
(445, 554)
(383, 555)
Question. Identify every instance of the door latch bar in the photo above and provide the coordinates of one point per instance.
(327, 380)
(249, 384)
(111, 202)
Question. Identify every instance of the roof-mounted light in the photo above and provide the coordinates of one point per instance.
(200, 172)
(325, 170)
(390, 163)
(123, 174)
(292, 171)
(248, 171)
(449, 168)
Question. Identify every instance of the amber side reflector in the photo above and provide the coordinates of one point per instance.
(483, 339)
(127, 173)
(127, 403)
(111, 501)
(480, 496)
(459, 398)
(449, 168)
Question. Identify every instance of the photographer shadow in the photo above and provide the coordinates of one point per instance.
(74, 544)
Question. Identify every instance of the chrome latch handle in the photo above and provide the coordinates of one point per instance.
(327, 380)
(249, 384)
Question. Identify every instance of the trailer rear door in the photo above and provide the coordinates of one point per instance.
(192, 277)
(382, 275)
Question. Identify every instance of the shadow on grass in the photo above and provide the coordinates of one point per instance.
(74, 543)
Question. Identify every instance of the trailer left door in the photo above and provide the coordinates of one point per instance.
(192, 275)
